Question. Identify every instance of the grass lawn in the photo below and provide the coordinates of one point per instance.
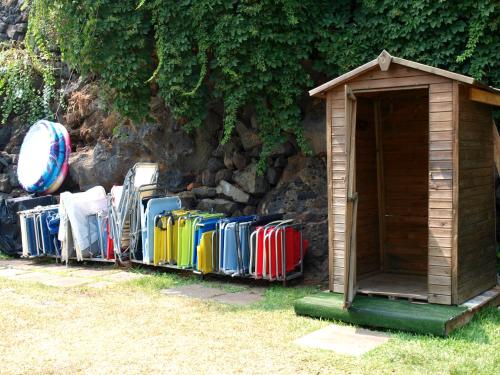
(133, 328)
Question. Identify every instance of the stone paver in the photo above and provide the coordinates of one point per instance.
(123, 276)
(199, 291)
(11, 272)
(59, 276)
(344, 339)
(41, 277)
(239, 298)
(100, 284)
(27, 266)
(12, 262)
(92, 272)
(66, 281)
(194, 291)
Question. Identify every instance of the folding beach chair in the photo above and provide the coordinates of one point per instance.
(230, 240)
(173, 235)
(236, 248)
(97, 223)
(124, 211)
(184, 239)
(28, 234)
(110, 253)
(155, 207)
(53, 221)
(165, 237)
(201, 223)
(207, 252)
(47, 235)
(160, 240)
(80, 231)
(276, 250)
(10, 235)
(36, 236)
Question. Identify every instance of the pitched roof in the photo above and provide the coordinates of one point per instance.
(384, 60)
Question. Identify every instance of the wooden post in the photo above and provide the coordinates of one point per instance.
(329, 173)
(352, 200)
(455, 192)
(496, 146)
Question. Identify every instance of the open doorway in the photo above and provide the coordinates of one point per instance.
(392, 133)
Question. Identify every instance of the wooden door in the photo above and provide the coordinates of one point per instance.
(352, 200)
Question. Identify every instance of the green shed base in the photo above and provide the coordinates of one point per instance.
(379, 312)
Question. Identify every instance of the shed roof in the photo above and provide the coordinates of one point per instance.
(384, 60)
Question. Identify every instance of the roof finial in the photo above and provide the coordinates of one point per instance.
(384, 60)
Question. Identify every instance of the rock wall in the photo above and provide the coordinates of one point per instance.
(13, 21)
(207, 175)
(13, 26)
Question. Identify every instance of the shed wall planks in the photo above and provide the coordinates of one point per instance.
(337, 187)
(476, 221)
(441, 168)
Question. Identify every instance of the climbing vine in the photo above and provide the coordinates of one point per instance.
(22, 94)
(258, 55)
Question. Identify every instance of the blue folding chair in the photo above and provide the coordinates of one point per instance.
(231, 253)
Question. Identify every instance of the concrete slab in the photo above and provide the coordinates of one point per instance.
(123, 276)
(194, 291)
(100, 284)
(40, 277)
(93, 272)
(13, 262)
(344, 339)
(26, 266)
(239, 298)
(65, 281)
(11, 272)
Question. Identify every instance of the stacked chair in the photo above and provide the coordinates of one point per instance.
(83, 225)
(39, 229)
(275, 250)
(155, 207)
(246, 246)
(123, 208)
(141, 223)
(10, 236)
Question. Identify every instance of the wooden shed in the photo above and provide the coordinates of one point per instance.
(410, 182)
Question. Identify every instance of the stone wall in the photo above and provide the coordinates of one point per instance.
(13, 21)
(207, 175)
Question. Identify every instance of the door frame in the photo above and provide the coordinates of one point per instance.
(352, 200)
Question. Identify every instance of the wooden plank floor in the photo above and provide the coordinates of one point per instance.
(394, 285)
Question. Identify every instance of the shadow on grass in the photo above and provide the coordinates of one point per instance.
(4, 256)
(156, 281)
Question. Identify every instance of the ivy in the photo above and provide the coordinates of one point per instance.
(258, 55)
(22, 94)
(106, 38)
(461, 36)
